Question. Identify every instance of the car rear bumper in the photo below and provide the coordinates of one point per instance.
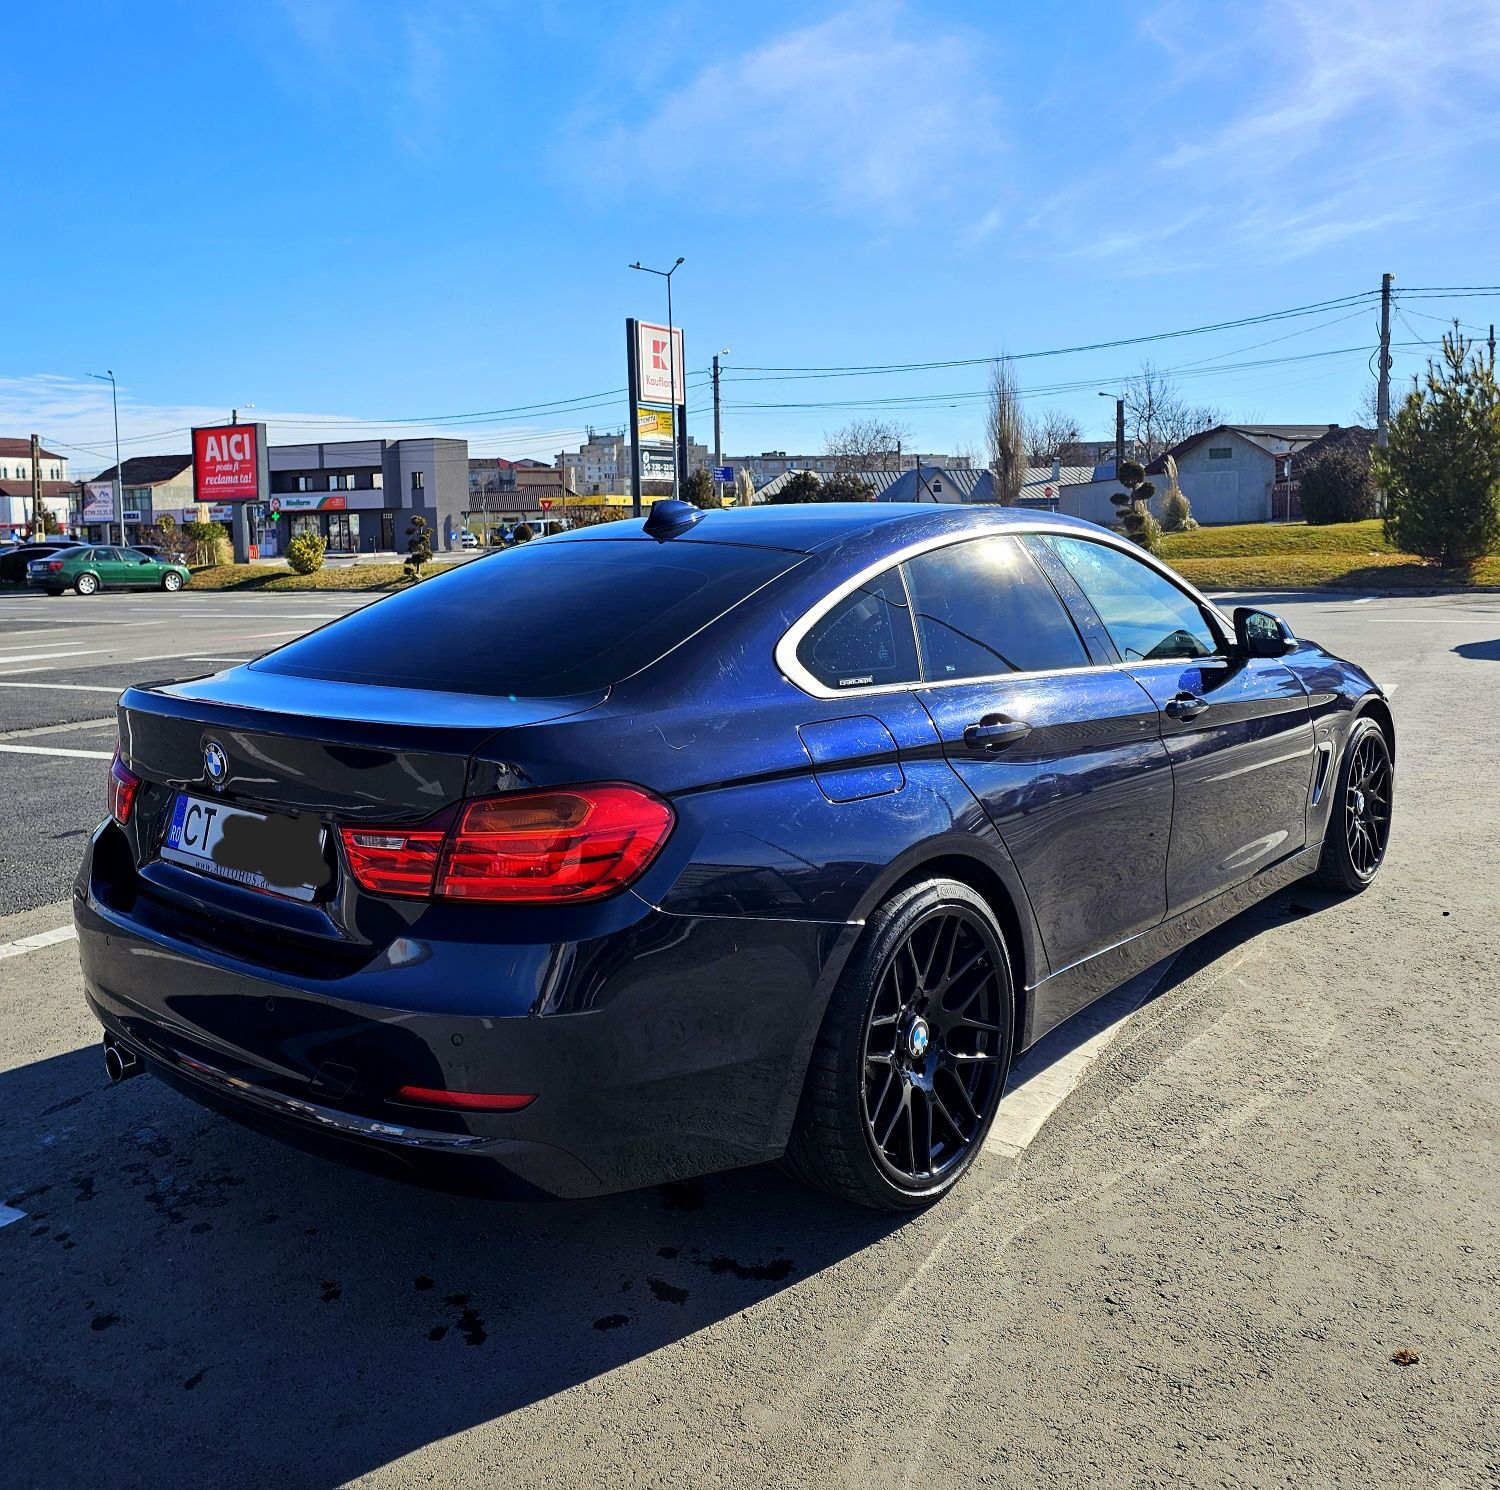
(678, 1045)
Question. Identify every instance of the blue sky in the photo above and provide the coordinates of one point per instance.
(345, 210)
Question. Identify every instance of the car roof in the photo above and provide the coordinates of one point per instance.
(810, 527)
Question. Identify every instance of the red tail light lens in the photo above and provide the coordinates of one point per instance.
(553, 847)
(123, 785)
(394, 861)
(549, 847)
(428, 1096)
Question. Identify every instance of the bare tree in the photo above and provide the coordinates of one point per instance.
(1005, 433)
(867, 445)
(1052, 435)
(1157, 417)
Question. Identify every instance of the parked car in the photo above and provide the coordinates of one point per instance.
(824, 815)
(466, 539)
(13, 561)
(102, 567)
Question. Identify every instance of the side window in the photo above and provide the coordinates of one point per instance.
(1146, 615)
(105, 555)
(865, 640)
(132, 556)
(983, 607)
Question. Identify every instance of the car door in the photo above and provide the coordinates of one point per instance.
(138, 570)
(1238, 729)
(106, 564)
(1061, 747)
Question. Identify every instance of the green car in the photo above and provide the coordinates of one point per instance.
(88, 570)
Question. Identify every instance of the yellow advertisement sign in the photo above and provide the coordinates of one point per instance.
(653, 426)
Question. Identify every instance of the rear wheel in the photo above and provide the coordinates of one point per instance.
(86, 584)
(913, 1054)
(172, 581)
(1359, 821)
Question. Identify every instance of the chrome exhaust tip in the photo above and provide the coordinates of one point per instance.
(119, 1061)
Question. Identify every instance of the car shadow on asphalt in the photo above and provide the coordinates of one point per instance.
(190, 1302)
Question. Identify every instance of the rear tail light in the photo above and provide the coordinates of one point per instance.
(428, 1096)
(55, 565)
(123, 785)
(550, 847)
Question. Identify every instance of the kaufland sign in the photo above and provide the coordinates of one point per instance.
(658, 357)
(228, 463)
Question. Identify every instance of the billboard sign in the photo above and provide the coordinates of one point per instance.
(658, 465)
(229, 463)
(98, 502)
(658, 357)
(333, 502)
(653, 426)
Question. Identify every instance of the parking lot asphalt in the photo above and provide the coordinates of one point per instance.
(1208, 1225)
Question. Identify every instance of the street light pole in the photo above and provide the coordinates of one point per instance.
(677, 408)
(1119, 431)
(108, 376)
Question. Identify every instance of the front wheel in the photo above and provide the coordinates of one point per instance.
(910, 1063)
(86, 584)
(1359, 821)
(171, 582)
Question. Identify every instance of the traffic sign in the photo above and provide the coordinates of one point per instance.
(724, 474)
(546, 504)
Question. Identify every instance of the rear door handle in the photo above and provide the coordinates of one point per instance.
(1186, 706)
(994, 732)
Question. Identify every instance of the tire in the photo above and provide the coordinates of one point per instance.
(896, 1129)
(171, 582)
(1359, 819)
(86, 584)
(54, 593)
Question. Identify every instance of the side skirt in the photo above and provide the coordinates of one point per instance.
(1064, 993)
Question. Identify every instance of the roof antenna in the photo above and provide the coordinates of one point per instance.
(670, 518)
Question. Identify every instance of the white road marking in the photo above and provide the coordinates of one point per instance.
(36, 942)
(6, 658)
(83, 755)
(199, 657)
(1027, 1106)
(57, 729)
(1365, 601)
(9, 1213)
(71, 687)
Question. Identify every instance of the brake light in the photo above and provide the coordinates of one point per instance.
(123, 785)
(55, 565)
(429, 1096)
(555, 846)
(394, 861)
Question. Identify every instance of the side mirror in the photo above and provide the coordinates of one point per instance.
(1260, 634)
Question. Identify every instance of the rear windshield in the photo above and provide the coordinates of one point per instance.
(544, 619)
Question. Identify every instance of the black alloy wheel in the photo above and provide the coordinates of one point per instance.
(1359, 820)
(912, 1057)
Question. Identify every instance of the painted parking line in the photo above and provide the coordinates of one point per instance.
(57, 729)
(82, 755)
(6, 658)
(36, 942)
(1055, 1067)
(9, 1213)
(69, 687)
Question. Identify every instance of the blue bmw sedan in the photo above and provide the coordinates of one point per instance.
(661, 848)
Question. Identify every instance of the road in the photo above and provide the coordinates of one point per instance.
(1208, 1220)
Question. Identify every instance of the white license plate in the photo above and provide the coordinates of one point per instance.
(266, 851)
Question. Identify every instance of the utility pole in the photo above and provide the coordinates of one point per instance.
(1492, 340)
(1383, 387)
(718, 436)
(38, 527)
(1119, 436)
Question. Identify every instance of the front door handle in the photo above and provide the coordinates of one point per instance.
(994, 732)
(1186, 706)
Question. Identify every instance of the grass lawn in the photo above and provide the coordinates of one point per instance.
(1270, 556)
(277, 579)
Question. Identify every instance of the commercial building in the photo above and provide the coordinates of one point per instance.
(601, 465)
(361, 495)
(769, 464)
(15, 485)
(152, 486)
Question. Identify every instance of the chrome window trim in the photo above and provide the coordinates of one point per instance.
(793, 670)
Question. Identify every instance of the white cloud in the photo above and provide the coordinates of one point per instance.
(863, 113)
(74, 418)
(1279, 130)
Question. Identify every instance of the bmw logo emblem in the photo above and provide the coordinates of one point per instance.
(215, 763)
(917, 1041)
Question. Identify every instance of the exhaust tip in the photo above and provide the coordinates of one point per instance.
(119, 1062)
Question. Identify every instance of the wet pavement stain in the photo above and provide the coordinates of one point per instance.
(422, 1284)
(192, 1381)
(456, 1300)
(437, 1332)
(611, 1321)
(83, 1186)
(666, 1252)
(471, 1327)
(332, 1293)
(760, 1272)
(666, 1293)
(103, 1321)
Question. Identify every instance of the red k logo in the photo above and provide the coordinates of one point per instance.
(658, 355)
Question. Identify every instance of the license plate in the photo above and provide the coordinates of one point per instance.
(266, 851)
